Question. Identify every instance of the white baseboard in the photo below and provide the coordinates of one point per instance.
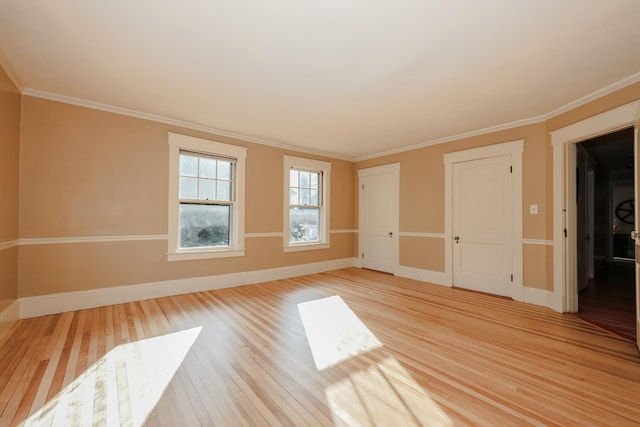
(8, 317)
(544, 298)
(71, 301)
(535, 296)
(435, 277)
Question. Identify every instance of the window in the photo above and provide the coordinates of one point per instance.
(306, 218)
(206, 199)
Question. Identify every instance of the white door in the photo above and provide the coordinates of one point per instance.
(482, 222)
(379, 188)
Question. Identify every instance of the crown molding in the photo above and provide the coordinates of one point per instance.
(635, 78)
(628, 81)
(175, 122)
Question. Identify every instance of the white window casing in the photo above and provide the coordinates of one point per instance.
(324, 170)
(182, 143)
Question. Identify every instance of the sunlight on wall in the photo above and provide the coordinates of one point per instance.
(383, 394)
(334, 332)
(122, 388)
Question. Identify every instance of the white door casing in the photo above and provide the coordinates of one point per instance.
(378, 217)
(513, 150)
(563, 141)
(482, 225)
(636, 181)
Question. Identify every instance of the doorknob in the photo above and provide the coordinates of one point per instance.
(633, 235)
(457, 239)
(391, 234)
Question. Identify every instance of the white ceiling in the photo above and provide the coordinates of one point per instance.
(353, 78)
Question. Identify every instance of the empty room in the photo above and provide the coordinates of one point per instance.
(339, 213)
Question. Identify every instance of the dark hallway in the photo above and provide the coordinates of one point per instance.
(605, 261)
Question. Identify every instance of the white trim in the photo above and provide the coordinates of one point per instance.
(430, 276)
(302, 163)
(427, 235)
(515, 150)
(627, 81)
(563, 141)
(260, 235)
(345, 231)
(281, 234)
(174, 122)
(479, 132)
(8, 317)
(70, 301)
(306, 247)
(543, 298)
(8, 244)
(634, 78)
(394, 169)
(236, 246)
(90, 239)
(537, 242)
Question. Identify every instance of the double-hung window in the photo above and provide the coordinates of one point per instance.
(206, 200)
(306, 212)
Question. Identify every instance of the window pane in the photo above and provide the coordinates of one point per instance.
(204, 225)
(224, 170)
(188, 165)
(304, 196)
(304, 224)
(293, 196)
(224, 191)
(293, 178)
(207, 168)
(188, 188)
(314, 180)
(304, 179)
(313, 197)
(207, 190)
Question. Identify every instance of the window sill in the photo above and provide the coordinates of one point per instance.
(306, 247)
(211, 254)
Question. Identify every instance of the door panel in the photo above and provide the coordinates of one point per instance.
(378, 218)
(482, 225)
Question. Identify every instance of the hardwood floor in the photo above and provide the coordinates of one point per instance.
(610, 300)
(348, 347)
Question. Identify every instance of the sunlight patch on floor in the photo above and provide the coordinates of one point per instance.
(384, 394)
(334, 332)
(122, 388)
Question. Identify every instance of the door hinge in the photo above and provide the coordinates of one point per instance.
(512, 277)
(362, 255)
(363, 186)
(565, 232)
(510, 169)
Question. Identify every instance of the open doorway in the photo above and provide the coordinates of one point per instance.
(605, 218)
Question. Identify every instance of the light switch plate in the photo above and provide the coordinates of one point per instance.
(533, 209)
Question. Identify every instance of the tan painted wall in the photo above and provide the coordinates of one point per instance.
(89, 173)
(86, 172)
(422, 189)
(9, 159)
(422, 183)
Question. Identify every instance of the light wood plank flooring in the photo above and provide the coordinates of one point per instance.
(348, 347)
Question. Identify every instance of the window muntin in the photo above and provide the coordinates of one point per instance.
(206, 200)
